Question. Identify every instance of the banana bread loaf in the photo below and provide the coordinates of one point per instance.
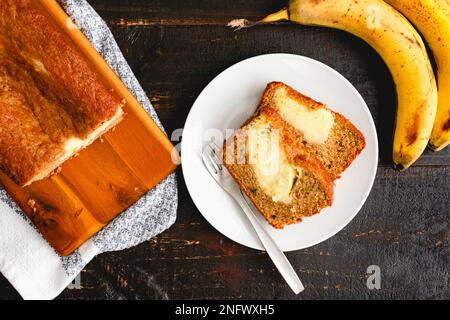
(52, 102)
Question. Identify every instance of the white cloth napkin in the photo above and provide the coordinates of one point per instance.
(26, 259)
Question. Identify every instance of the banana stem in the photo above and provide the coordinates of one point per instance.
(283, 14)
(238, 24)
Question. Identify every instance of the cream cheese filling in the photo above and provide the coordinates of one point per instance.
(314, 124)
(73, 145)
(274, 174)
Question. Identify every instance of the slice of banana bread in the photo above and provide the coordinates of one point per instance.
(335, 139)
(282, 177)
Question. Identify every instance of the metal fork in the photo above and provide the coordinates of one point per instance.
(212, 160)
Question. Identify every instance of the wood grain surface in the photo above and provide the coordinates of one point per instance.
(175, 48)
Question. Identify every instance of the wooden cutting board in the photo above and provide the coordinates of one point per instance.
(107, 177)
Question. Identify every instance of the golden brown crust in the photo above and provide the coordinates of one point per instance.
(300, 154)
(272, 86)
(313, 193)
(360, 140)
(49, 93)
(345, 143)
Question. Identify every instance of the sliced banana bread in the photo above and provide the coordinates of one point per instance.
(335, 139)
(282, 177)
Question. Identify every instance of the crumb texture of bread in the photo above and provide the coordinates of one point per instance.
(335, 139)
(52, 102)
(283, 178)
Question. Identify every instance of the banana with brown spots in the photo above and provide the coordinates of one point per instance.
(432, 19)
(402, 49)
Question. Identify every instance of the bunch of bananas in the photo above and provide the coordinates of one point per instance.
(423, 111)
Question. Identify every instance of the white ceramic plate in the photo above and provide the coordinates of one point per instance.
(229, 100)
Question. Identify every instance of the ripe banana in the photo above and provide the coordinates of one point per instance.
(432, 19)
(402, 49)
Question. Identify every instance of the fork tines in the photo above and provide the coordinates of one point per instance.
(211, 157)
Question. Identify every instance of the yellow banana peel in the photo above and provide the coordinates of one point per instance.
(432, 19)
(403, 51)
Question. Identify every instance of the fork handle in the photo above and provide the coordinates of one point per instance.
(275, 253)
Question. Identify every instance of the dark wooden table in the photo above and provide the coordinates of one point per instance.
(176, 47)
